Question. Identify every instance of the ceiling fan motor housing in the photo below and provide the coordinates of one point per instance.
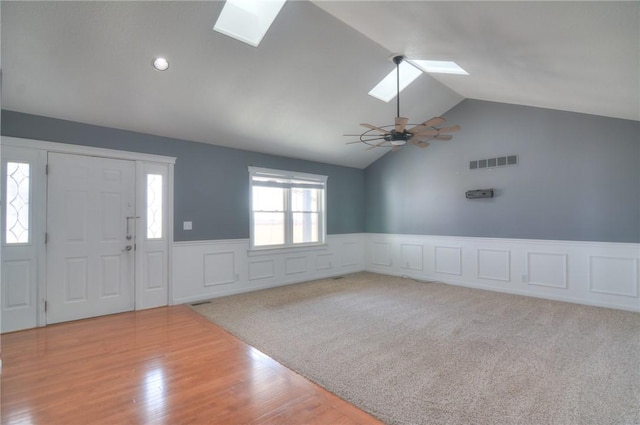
(398, 138)
(398, 59)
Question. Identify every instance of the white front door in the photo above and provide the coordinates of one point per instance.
(90, 236)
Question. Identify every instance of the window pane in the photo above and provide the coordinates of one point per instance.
(304, 199)
(268, 229)
(268, 198)
(154, 206)
(17, 211)
(305, 227)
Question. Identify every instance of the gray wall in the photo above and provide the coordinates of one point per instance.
(578, 178)
(211, 183)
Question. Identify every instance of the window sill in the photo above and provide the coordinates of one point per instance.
(286, 250)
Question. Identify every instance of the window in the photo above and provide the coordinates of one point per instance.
(154, 206)
(287, 209)
(17, 203)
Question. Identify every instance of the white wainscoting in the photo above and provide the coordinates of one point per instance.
(592, 273)
(209, 269)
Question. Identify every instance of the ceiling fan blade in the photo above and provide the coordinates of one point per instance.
(373, 139)
(366, 140)
(378, 129)
(422, 138)
(401, 122)
(443, 137)
(433, 122)
(422, 144)
(423, 130)
(449, 129)
(377, 145)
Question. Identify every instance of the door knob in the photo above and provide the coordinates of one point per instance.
(127, 248)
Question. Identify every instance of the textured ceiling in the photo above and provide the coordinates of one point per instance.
(306, 84)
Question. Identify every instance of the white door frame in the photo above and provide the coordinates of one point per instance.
(143, 161)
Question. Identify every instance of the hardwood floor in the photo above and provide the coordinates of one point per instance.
(162, 366)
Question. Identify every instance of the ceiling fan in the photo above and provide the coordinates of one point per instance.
(396, 135)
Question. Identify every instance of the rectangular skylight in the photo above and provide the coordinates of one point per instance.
(248, 20)
(440, 67)
(386, 89)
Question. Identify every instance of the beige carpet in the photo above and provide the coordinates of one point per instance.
(428, 353)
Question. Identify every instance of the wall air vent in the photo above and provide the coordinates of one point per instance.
(500, 161)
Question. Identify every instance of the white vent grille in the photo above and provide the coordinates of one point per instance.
(501, 161)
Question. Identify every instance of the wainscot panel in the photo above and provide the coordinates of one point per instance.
(593, 273)
(209, 269)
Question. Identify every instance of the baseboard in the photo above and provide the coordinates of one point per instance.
(552, 297)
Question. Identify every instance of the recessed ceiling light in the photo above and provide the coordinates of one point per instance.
(386, 89)
(248, 20)
(440, 67)
(161, 64)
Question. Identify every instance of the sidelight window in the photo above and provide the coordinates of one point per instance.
(17, 212)
(154, 206)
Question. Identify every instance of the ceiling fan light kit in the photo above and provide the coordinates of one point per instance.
(396, 135)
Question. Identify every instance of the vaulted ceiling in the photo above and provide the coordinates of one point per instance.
(306, 84)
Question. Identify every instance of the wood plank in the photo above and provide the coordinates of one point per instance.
(161, 366)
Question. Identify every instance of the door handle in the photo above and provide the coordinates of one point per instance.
(127, 248)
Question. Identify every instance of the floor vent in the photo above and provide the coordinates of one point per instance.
(501, 161)
(200, 303)
(337, 277)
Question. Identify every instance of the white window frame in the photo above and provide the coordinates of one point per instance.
(288, 237)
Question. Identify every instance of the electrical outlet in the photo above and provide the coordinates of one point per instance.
(187, 225)
(525, 278)
(237, 276)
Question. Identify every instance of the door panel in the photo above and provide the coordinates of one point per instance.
(89, 271)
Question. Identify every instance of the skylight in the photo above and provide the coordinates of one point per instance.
(386, 89)
(440, 67)
(248, 20)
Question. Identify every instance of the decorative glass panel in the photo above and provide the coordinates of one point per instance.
(17, 208)
(154, 206)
